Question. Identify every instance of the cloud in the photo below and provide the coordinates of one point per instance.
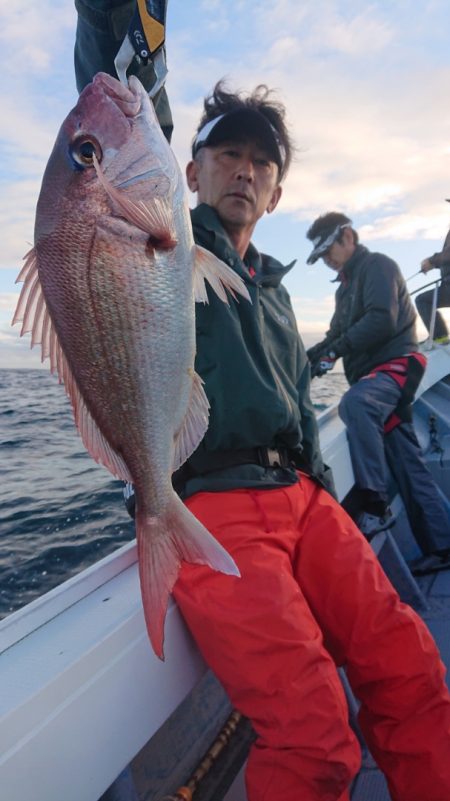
(365, 32)
(15, 351)
(25, 35)
(362, 89)
(34, 102)
(326, 27)
(17, 212)
(428, 225)
(313, 316)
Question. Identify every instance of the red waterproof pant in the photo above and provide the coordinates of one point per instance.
(312, 596)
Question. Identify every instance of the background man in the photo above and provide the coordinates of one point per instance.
(373, 329)
(424, 301)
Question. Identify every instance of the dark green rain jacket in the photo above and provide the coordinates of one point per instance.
(255, 370)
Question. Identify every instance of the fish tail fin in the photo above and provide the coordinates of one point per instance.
(164, 542)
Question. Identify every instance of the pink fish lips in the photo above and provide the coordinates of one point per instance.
(109, 294)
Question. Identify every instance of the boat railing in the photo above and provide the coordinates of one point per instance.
(428, 344)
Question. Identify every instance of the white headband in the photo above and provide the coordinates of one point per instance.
(204, 133)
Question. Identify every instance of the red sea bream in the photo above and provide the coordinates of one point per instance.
(109, 292)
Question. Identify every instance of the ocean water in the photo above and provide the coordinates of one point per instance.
(59, 511)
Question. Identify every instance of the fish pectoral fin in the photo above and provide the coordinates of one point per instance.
(208, 267)
(163, 544)
(153, 216)
(194, 424)
(33, 313)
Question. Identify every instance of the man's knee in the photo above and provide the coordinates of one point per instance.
(352, 404)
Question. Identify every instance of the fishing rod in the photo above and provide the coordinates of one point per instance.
(419, 272)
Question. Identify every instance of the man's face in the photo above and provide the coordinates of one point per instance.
(340, 252)
(238, 179)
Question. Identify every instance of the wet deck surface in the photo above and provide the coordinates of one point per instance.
(370, 784)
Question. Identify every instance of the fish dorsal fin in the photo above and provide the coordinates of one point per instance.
(221, 277)
(194, 425)
(154, 216)
(33, 313)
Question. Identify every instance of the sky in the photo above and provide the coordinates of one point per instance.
(366, 88)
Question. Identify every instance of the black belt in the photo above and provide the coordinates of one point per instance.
(205, 462)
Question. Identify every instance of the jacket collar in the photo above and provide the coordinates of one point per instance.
(351, 264)
(210, 233)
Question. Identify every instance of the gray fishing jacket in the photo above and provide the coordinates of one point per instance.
(374, 318)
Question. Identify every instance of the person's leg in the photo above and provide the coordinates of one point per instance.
(426, 512)
(443, 300)
(364, 408)
(259, 637)
(101, 28)
(424, 304)
(391, 659)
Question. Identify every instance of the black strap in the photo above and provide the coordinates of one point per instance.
(203, 462)
(207, 461)
(403, 412)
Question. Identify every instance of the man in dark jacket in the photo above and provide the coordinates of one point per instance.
(425, 300)
(373, 330)
(311, 593)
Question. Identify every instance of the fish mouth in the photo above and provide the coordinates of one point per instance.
(125, 97)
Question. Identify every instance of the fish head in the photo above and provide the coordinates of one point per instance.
(114, 127)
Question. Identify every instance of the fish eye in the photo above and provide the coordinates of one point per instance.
(82, 151)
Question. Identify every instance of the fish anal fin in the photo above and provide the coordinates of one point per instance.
(194, 424)
(163, 544)
(220, 276)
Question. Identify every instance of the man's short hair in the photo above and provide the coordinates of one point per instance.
(241, 116)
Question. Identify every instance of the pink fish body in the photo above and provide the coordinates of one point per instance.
(109, 292)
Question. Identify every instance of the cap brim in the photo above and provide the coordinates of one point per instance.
(317, 252)
(325, 241)
(313, 257)
(246, 123)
